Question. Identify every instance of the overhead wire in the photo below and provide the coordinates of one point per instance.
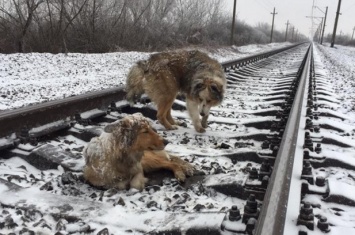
(262, 4)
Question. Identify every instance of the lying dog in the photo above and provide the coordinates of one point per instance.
(193, 73)
(126, 148)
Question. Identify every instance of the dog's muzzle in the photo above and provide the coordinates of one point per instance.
(166, 142)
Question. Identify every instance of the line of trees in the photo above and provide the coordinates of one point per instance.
(110, 25)
(341, 39)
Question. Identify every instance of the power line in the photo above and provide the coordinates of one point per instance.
(265, 7)
(268, 2)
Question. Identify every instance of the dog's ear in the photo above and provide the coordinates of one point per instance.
(125, 131)
(109, 128)
(203, 66)
(143, 64)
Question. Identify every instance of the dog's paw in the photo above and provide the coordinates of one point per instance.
(138, 183)
(183, 168)
(173, 121)
(200, 129)
(188, 169)
(204, 124)
(172, 127)
(180, 176)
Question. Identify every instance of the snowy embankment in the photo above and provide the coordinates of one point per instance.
(339, 65)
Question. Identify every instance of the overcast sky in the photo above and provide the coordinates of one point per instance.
(297, 12)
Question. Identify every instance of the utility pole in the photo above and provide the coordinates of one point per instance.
(316, 33)
(352, 37)
(335, 24)
(233, 22)
(325, 19)
(286, 30)
(272, 27)
(312, 28)
(320, 30)
(293, 32)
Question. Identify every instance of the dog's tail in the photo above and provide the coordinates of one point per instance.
(134, 82)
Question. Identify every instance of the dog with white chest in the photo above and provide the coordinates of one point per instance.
(125, 150)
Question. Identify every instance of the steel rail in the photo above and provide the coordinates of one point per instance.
(250, 59)
(13, 121)
(272, 217)
(36, 115)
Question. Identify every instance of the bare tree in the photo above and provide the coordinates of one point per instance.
(68, 13)
(22, 16)
(110, 25)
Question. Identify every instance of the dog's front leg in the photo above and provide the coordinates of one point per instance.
(138, 181)
(192, 108)
(205, 113)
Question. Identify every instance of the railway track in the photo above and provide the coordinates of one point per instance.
(276, 159)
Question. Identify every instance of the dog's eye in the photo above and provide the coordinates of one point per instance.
(208, 101)
(199, 86)
(214, 89)
(145, 131)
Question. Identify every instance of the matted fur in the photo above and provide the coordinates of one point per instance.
(193, 73)
(127, 148)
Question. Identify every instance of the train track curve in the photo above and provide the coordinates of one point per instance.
(268, 163)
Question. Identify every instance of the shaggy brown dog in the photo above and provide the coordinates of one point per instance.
(126, 148)
(193, 73)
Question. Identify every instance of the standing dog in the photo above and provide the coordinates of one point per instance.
(126, 148)
(193, 73)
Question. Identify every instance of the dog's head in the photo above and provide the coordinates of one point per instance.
(135, 133)
(208, 88)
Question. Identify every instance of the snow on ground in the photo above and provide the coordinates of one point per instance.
(31, 78)
(339, 66)
(336, 67)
